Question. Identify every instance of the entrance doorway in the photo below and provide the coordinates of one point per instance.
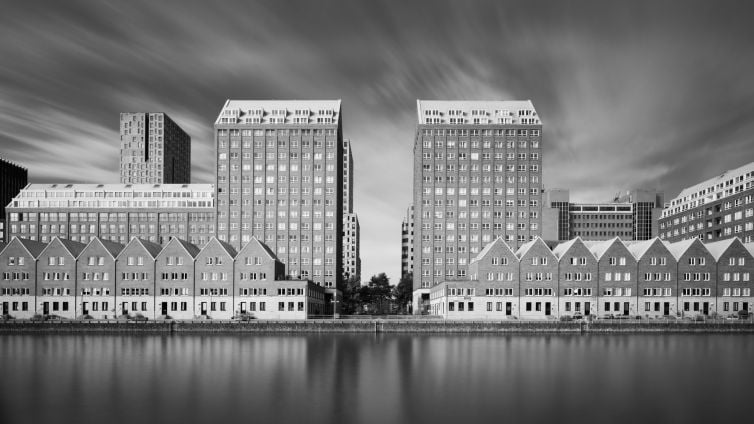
(124, 308)
(547, 308)
(626, 307)
(204, 308)
(587, 307)
(5, 308)
(706, 308)
(46, 308)
(164, 308)
(666, 309)
(508, 308)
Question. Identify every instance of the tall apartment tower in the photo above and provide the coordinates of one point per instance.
(351, 227)
(477, 176)
(719, 208)
(12, 179)
(407, 242)
(280, 179)
(153, 150)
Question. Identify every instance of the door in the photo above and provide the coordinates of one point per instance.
(666, 309)
(243, 307)
(5, 308)
(85, 308)
(204, 308)
(706, 308)
(547, 308)
(587, 307)
(626, 308)
(745, 306)
(508, 308)
(164, 308)
(124, 308)
(46, 308)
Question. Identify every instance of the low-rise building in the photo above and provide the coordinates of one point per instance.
(18, 261)
(616, 278)
(56, 278)
(96, 275)
(733, 276)
(538, 277)
(174, 280)
(135, 279)
(213, 296)
(577, 272)
(657, 278)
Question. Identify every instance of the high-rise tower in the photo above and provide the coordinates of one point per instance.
(477, 176)
(280, 179)
(153, 150)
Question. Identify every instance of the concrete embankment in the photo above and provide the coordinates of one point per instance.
(376, 326)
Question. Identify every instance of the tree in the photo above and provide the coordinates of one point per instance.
(402, 293)
(351, 290)
(380, 293)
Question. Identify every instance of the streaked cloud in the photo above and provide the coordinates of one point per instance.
(654, 94)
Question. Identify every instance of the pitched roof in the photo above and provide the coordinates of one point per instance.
(563, 247)
(750, 247)
(225, 246)
(73, 248)
(717, 248)
(256, 242)
(191, 249)
(598, 248)
(524, 248)
(639, 248)
(490, 246)
(34, 247)
(153, 249)
(111, 247)
(678, 248)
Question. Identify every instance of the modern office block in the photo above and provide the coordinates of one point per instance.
(153, 150)
(407, 242)
(630, 215)
(477, 176)
(719, 208)
(12, 179)
(280, 179)
(114, 212)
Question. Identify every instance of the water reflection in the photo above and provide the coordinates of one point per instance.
(374, 378)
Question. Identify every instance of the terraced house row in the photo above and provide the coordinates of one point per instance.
(103, 280)
(651, 279)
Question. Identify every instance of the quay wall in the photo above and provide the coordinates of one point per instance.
(375, 326)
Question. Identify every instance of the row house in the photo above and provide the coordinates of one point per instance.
(649, 278)
(105, 280)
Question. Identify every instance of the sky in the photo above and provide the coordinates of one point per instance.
(637, 94)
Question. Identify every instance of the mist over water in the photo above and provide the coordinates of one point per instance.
(336, 378)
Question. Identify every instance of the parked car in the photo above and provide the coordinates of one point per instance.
(578, 316)
(743, 314)
(566, 318)
(243, 317)
(139, 317)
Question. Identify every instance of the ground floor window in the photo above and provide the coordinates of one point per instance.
(607, 306)
(489, 306)
(568, 306)
(726, 306)
(451, 307)
(647, 306)
(528, 306)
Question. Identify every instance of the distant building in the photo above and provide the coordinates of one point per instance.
(407, 242)
(153, 150)
(631, 215)
(12, 179)
(477, 176)
(114, 212)
(351, 227)
(719, 208)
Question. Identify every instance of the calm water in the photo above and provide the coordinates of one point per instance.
(375, 378)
